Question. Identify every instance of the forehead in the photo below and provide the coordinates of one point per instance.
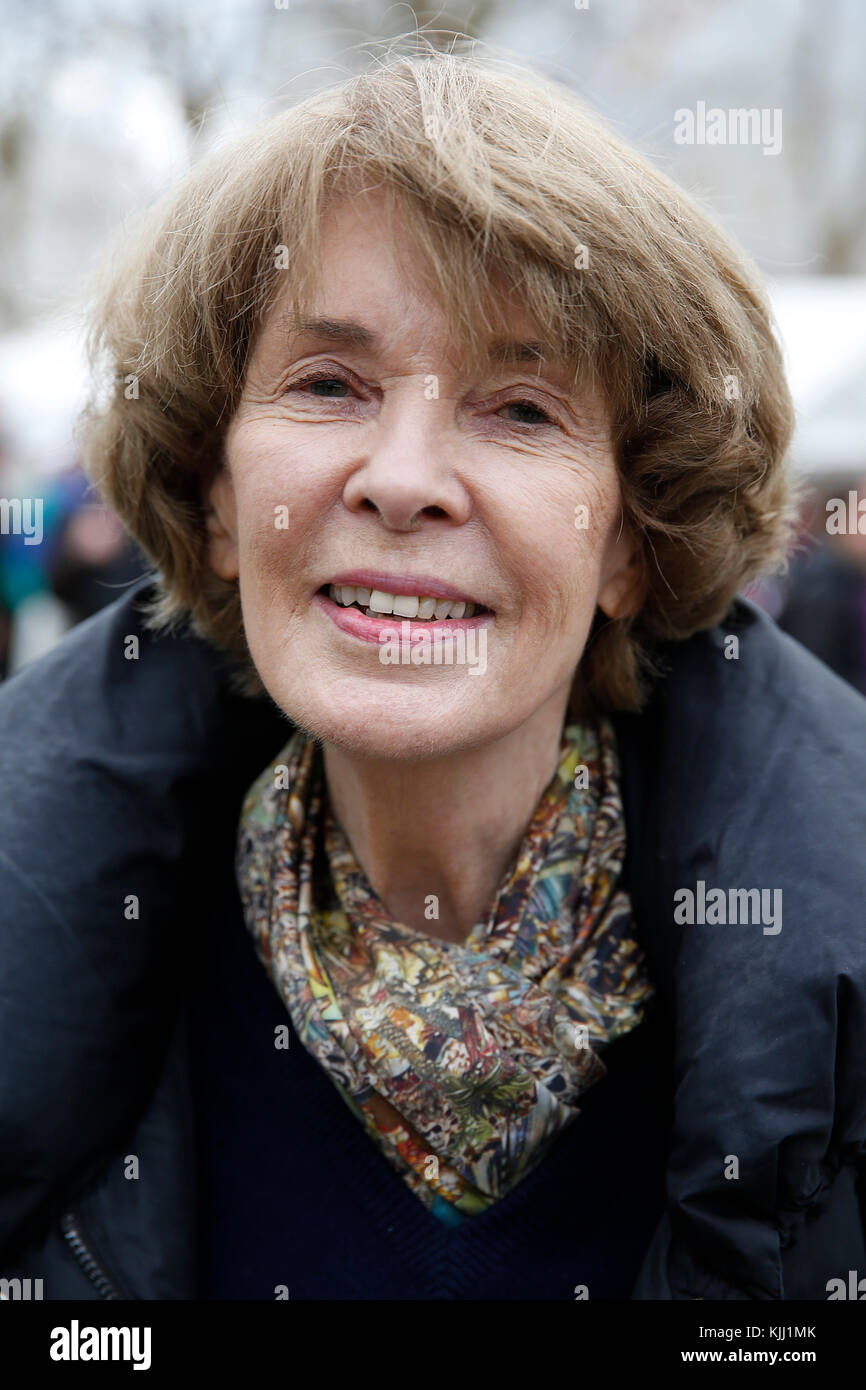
(369, 295)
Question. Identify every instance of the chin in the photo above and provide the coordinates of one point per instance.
(404, 721)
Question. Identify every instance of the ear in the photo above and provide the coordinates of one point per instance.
(623, 585)
(221, 524)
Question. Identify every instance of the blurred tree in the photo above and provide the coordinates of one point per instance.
(220, 63)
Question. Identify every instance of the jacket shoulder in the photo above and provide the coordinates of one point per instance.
(126, 755)
(745, 778)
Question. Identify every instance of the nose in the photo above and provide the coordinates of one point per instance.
(407, 475)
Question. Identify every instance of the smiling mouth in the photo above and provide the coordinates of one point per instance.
(419, 608)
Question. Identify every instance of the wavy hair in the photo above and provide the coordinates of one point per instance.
(499, 171)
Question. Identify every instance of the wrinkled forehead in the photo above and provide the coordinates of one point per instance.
(390, 284)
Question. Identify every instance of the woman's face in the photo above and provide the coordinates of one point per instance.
(363, 455)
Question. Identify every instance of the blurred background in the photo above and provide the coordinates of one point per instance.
(103, 104)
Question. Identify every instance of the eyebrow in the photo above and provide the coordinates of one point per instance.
(344, 331)
(509, 350)
(351, 334)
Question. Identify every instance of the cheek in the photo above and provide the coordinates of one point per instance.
(553, 541)
(280, 500)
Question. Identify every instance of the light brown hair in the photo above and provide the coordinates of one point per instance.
(499, 171)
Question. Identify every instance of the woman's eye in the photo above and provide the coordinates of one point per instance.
(529, 413)
(324, 386)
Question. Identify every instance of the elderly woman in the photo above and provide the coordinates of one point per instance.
(433, 882)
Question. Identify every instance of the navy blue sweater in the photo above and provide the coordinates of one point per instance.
(294, 1193)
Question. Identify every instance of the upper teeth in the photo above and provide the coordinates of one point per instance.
(401, 605)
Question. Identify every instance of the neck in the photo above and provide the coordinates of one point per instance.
(436, 837)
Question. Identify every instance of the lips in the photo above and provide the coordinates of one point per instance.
(372, 606)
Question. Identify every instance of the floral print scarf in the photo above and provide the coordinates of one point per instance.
(462, 1061)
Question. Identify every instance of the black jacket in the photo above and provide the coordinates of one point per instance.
(123, 780)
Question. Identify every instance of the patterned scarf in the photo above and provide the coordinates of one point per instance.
(462, 1061)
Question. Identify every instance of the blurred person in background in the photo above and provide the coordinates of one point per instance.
(824, 604)
(25, 561)
(83, 558)
(92, 557)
